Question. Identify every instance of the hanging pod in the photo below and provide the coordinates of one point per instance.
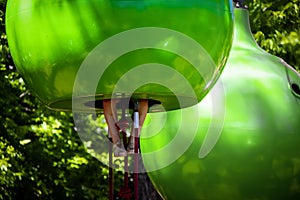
(170, 52)
(244, 145)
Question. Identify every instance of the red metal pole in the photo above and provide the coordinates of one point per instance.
(136, 153)
(125, 144)
(111, 173)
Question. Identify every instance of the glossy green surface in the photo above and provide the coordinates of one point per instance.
(257, 155)
(50, 39)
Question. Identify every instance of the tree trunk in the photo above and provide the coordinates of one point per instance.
(146, 188)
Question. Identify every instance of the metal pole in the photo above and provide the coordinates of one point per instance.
(136, 150)
(125, 144)
(110, 173)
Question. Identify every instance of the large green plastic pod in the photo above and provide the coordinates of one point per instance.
(171, 52)
(243, 146)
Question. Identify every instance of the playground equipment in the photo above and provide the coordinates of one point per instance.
(243, 146)
(75, 53)
(171, 51)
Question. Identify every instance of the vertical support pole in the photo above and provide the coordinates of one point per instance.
(110, 173)
(125, 144)
(136, 150)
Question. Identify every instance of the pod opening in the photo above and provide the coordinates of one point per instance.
(295, 89)
(128, 103)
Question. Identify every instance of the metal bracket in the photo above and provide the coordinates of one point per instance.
(239, 4)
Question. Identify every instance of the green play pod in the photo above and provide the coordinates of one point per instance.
(170, 52)
(244, 145)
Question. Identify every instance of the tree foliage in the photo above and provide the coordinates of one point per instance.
(276, 28)
(42, 156)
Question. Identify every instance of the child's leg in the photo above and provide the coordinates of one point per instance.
(143, 110)
(110, 114)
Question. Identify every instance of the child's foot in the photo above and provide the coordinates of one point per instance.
(122, 125)
(119, 150)
(130, 146)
